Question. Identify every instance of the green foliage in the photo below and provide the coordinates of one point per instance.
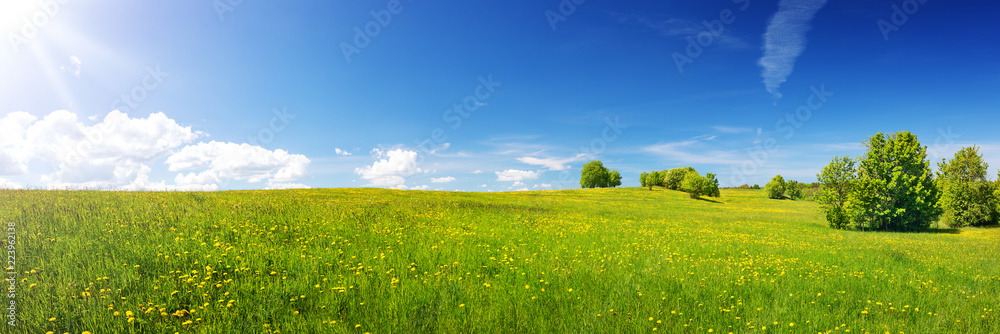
(776, 188)
(967, 197)
(654, 179)
(595, 175)
(836, 184)
(712, 186)
(756, 187)
(615, 179)
(642, 179)
(673, 178)
(794, 189)
(895, 189)
(694, 184)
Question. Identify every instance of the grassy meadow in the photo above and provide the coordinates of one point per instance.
(624, 260)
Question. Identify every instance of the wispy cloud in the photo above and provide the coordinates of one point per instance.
(678, 28)
(552, 163)
(785, 39)
(341, 152)
(731, 129)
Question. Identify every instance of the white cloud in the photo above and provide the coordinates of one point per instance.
(221, 161)
(391, 169)
(785, 39)
(552, 163)
(75, 61)
(483, 186)
(516, 175)
(442, 179)
(271, 184)
(543, 185)
(477, 171)
(5, 184)
(517, 184)
(341, 152)
(423, 187)
(113, 153)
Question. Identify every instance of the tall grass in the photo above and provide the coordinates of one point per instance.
(387, 261)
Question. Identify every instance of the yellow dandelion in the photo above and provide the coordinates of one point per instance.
(52, 319)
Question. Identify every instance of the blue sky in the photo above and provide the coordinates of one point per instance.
(479, 95)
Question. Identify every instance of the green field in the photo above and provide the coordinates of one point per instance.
(387, 261)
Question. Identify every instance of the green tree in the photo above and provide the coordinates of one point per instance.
(614, 179)
(836, 184)
(654, 179)
(694, 184)
(674, 177)
(594, 175)
(712, 186)
(895, 189)
(793, 189)
(642, 179)
(967, 196)
(776, 188)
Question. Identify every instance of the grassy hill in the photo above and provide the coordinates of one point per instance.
(386, 261)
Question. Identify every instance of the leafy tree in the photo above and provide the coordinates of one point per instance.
(654, 179)
(895, 189)
(694, 184)
(756, 187)
(712, 186)
(642, 179)
(776, 188)
(674, 177)
(967, 197)
(793, 189)
(594, 175)
(614, 179)
(836, 184)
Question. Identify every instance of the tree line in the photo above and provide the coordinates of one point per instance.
(685, 179)
(892, 188)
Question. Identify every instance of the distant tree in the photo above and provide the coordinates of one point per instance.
(836, 183)
(594, 175)
(756, 187)
(694, 184)
(793, 189)
(614, 179)
(967, 197)
(712, 186)
(776, 188)
(642, 179)
(654, 179)
(895, 189)
(674, 177)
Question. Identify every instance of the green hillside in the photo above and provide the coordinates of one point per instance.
(386, 261)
